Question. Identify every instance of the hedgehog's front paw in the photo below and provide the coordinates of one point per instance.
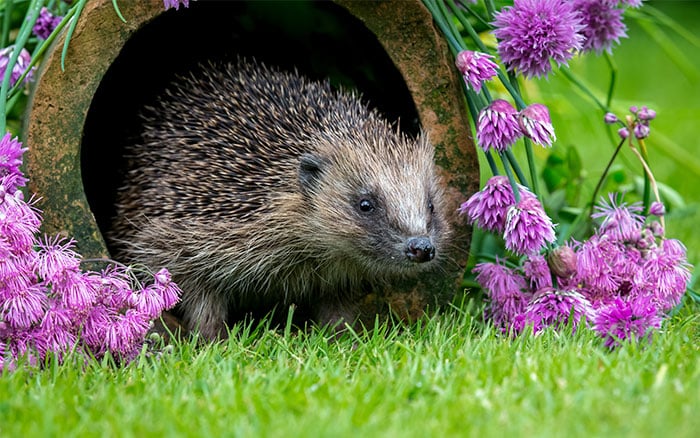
(336, 315)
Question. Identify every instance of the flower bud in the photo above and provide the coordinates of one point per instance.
(610, 118)
(623, 133)
(657, 209)
(641, 130)
(562, 261)
(645, 114)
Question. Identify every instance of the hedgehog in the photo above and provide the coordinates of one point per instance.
(260, 189)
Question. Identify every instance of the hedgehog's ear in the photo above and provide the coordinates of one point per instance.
(310, 169)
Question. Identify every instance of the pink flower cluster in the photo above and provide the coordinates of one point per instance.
(18, 68)
(524, 225)
(534, 33)
(622, 280)
(47, 304)
(638, 122)
(46, 23)
(500, 125)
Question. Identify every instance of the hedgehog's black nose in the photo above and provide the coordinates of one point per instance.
(419, 249)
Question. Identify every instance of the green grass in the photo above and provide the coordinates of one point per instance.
(447, 376)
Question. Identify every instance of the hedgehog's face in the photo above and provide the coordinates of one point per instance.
(382, 211)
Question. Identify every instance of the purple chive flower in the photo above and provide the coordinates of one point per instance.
(535, 124)
(497, 126)
(621, 222)
(528, 227)
(657, 209)
(23, 307)
(175, 4)
(602, 24)
(488, 208)
(610, 118)
(595, 266)
(623, 133)
(47, 304)
(504, 288)
(148, 302)
(475, 67)
(11, 152)
(537, 272)
(623, 319)
(553, 308)
(169, 291)
(20, 66)
(45, 23)
(667, 273)
(532, 33)
(55, 258)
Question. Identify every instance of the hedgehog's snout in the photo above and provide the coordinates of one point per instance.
(420, 250)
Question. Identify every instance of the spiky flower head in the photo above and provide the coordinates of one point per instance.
(553, 308)
(20, 66)
(11, 152)
(602, 24)
(631, 318)
(505, 290)
(666, 273)
(536, 124)
(533, 33)
(497, 126)
(537, 272)
(528, 228)
(475, 67)
(488, 207)
(621, 222)
(45, 23)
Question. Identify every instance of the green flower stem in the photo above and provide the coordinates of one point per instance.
(5, 37)
(604, 175)
(442, 24)
(649, 180)
(478, 17)
(613, 78)
(472, 102)
(73, 22)
(511, 178)
(574, 80)
(531, 166)
(492, 163)
(467, 26)
(490, 8)
(37, 55)
(516, 167)
(24, 32)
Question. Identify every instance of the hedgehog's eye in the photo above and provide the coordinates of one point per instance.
(430, 207)
(366, 206)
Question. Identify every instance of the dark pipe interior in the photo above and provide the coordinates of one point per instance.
(320, 39)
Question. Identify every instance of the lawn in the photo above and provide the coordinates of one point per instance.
(449, 374)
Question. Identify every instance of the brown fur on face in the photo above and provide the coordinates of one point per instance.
(258, 188)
